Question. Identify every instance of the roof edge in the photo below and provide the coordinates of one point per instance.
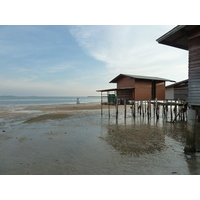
(172, 31)
(140, 77)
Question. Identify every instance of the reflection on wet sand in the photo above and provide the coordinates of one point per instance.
(86, 143)
(129, 139)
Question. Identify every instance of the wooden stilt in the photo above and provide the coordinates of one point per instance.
(155, 107)
(125, 108)
(108, 106)
(149, 108)
(133, 109)
(140, 108)
(171, 111)
(101, 105)
(116, 107)
(166, 108)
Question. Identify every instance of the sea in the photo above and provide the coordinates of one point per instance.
(46, 100)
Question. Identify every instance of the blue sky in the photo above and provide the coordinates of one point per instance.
(77, 60)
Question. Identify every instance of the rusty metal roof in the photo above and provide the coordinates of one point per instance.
(177, 37)
(158, 79)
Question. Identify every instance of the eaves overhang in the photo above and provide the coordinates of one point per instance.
(177, 37)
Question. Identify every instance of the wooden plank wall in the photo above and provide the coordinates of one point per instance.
(181, 93)
(194, 68)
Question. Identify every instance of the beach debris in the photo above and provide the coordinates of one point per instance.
(4, 131)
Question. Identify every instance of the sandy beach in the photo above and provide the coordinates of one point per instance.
(76, 140)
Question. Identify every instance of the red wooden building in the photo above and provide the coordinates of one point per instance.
(134, 87)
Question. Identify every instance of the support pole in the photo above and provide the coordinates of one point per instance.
(116, 106)
(171, 111)
(101, 105)
(108, 106)
(133, 109)
(124, 108)
(155, 108)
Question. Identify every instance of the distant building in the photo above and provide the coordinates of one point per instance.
(177, 90)
(134, 87)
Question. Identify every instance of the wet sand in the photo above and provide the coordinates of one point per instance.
(75, 139)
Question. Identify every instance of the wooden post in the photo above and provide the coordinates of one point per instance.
(125, 108)
(175, 110)
(101, 105)
(116, 106)
(149, 108)
(163, 109)
(171, 111)
(140, 108)
(133, 109)
(155, 107)
(108, 106)
(166, 108)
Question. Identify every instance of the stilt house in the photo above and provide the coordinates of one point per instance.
(135, 87)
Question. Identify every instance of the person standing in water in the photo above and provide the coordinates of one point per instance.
(77, 101)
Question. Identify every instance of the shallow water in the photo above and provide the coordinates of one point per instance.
(88, 144)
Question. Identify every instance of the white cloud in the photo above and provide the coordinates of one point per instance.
(131, 49)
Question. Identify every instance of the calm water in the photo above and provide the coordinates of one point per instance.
(38, 100)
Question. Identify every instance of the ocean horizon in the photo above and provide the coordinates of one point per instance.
(11, 100)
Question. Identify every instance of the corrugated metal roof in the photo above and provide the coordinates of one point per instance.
(177, 37)
(140, 77)
(178, 83)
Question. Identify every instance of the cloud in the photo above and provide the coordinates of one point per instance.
(130, 49)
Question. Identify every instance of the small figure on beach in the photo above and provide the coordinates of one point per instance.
(77, 101)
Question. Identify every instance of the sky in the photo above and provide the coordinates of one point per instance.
(77, 60)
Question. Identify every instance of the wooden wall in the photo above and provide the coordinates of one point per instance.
(160, 91)
(143, 89)
(194, 68)
(181, 93)
(125, 82)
